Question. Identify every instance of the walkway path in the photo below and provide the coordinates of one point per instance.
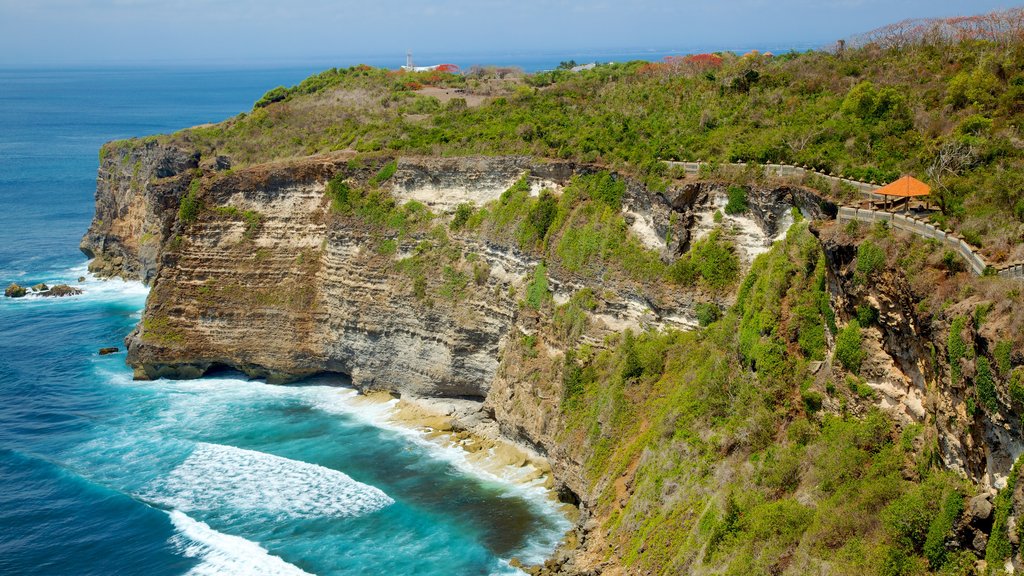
(903, 222)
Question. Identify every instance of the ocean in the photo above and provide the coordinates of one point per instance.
(100, 474)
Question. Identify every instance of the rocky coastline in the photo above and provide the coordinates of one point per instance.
(268, 281)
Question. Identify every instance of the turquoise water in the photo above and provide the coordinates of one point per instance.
(103, 475)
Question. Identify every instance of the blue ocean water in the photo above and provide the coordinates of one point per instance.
(103, 475)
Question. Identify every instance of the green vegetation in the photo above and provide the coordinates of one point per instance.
(849, 352)
(676, 412)
(159, 330)
(711, 263)
(191, 204)
(999, 547)
(253, 219)
(944, 110)
(707, 313)
(537, 293)
(737, 203)
(957, 348)
(870, 259)
(375, 207)
(385, 173)
(985, 385)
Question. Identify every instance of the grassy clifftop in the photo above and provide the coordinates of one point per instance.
(947, 111)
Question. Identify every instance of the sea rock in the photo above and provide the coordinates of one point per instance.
(109, 350)
(61, 290)
(81, 279)
(14, 291)
(40, 287)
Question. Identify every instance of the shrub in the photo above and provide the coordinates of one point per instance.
(711, 261)
(273, 95)
(999, 547)
(867, 315)
(707, 313)
(951, 260)
(907, 519)
(848, 347)
(538, 219)
(940, 528)
(572, 377)
(870, 258)
(985, 385)
(384, 174)
(340, 194)
(956, 348)
(737, 203)
(462, 215)
(1016, 386)
(537, 291)
(191, 204)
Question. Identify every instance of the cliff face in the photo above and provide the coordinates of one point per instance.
(269, 281)
(137, 194)
(910, 352)
(265, 277)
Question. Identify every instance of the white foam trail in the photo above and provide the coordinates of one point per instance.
(217, 478)
(224, 554)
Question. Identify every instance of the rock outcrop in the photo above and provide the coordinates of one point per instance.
(137, 195)
(269, 281)
(15, 291)
(908, 362)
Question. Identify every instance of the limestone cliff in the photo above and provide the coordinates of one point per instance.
(268, 281)
(910, 354)
(137, 194)
(267, 276)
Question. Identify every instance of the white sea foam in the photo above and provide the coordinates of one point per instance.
(216, 478)
(197, 398)
(93, 288)
(223, 554)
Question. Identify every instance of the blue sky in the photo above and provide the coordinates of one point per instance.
(69, 32)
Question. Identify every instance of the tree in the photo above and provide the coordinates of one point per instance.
(951, 159)
(567, 64)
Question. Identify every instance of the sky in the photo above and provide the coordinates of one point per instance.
(263, 32)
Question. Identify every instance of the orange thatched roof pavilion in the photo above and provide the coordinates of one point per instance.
(906, 187)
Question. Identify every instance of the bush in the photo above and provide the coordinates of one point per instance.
(951, 260)
(273, 95)
(707, 313)
(537, 291)
(867, 315)
(848, 347)
(956, 347)
(604, 188)
(870, 258)
(999, 546)
(940, 528)
(462, 215)
(711, 261)
(384, 174)
(191, 204)
(985, 385)
(907, 519)
(631, 365)
(340, 194)
(737, 203)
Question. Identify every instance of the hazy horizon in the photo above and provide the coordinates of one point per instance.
(263, 33)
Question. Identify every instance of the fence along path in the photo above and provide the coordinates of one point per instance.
(903, 222)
